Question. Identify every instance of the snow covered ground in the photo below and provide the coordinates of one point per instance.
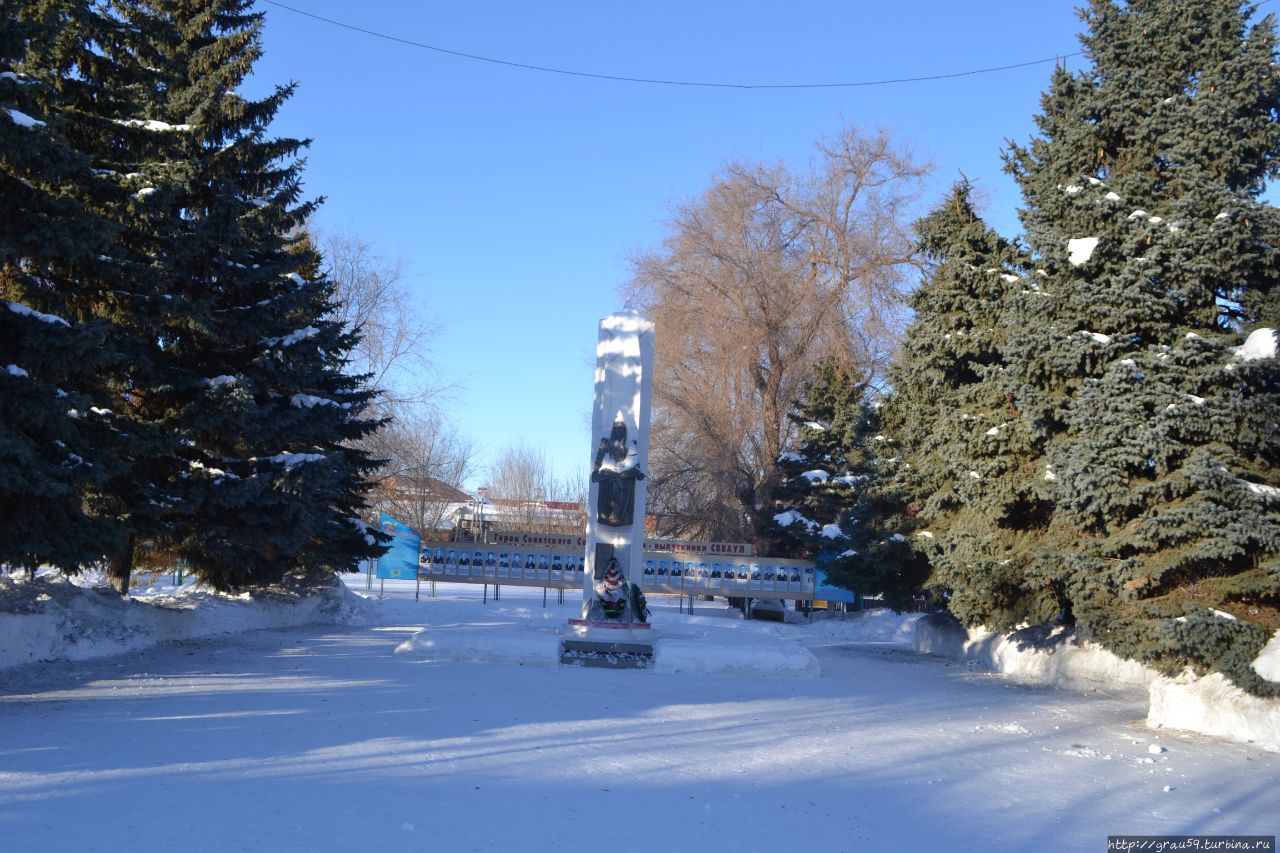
(324, 738)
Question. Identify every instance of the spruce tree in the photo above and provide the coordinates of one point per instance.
(213, 387)
(60, 444)
(810, 496)
(964, 445)
(1146, 372)
(43, 464)
(87, 60)
(841, 501)
(255, 390)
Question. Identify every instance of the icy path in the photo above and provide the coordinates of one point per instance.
(323, 740)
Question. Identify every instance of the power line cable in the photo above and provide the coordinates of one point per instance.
(649, 80)
(617, 78)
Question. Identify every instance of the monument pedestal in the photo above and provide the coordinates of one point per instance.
(591, 631)
(609, 626)
(614, 645)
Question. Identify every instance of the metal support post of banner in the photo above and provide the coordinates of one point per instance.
(417, 589)
(382, 588)
(433, 589)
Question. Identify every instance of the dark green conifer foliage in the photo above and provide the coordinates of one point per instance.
(211, 378)
(964, 445)
(96, 81)
(1155, 435)
(57, 448)
(270, 477)
(815, 489)
(841, 500)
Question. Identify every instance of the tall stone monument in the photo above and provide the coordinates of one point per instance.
(620, 465)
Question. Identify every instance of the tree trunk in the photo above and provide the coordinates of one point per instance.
(121, 567)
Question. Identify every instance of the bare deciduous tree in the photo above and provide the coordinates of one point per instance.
(396, 332)
(521, 475)
(758, 279)
(427, 462)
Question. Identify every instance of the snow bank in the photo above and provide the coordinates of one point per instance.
(1035, 656)
(1210, 705)
(880, 625)
(712, 645)
(53, 618)
(703, 658)
(1268, 663)
(1214, 706)
(484, 644)
(939, 635)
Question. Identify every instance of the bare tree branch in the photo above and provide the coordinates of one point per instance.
(427, 462)
(522, 476)
(396, 333)
(763, 275)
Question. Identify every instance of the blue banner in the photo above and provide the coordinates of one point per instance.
(401, 560)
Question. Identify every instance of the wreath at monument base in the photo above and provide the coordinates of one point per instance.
(639, 604)
(611, 591)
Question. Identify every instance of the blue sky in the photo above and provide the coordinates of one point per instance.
(514, 196)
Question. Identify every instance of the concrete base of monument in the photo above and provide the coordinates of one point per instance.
(606, 654)
(609, 632)
(614, 645)
(611, 626)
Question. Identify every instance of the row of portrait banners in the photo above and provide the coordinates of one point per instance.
(410, 558)
(665, 571)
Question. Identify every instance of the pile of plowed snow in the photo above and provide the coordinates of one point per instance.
(53, 618)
